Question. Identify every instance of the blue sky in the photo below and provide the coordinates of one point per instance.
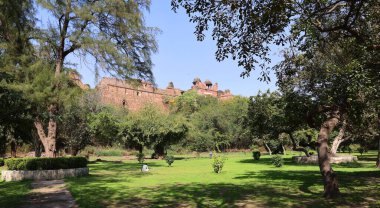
(181, 57)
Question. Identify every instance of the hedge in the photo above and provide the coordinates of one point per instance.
(45, 163)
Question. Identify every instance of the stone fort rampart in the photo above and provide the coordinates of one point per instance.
(134, 96)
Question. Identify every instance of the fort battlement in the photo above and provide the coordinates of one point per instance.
(134, 94)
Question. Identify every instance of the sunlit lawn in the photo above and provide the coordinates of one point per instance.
(242, 183)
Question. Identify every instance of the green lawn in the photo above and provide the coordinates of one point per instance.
(11, 193)
(242, 183)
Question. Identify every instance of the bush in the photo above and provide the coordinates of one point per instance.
(256, 155)
(140, 157)
(277, 161)
(218, 163)
(1, 162)
(169, 159)
(362, 150)
(45, 163)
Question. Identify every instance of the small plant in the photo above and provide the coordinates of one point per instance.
(169, 159)
(140, 157)
(218, 163)
(277, 161)
(256, 155)
(362, 150)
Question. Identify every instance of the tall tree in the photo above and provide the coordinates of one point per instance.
(16, 23)
(245, 30)
(339, 85)
(153, 127)
(113, 32)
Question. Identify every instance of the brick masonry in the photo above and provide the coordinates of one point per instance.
(133, 95)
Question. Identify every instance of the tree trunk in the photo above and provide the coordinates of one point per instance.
(36, 144)
(331, 189)
(296, 147)
(74, 152)
(378, 154)
(283, 149)
(141, 149)
(266, 146)
(3, 145)
(159, 151)
(49, 141)
(13, 149)
(378, 137)
(339, 138)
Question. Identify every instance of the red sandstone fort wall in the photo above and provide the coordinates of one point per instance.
(134, 97)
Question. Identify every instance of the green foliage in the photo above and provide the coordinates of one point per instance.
(169, 159)
(277, 161)
(45, 163)
(256, 155)
(104, 127)
(219, 126)
(140, 157)
(362, 150)
(218, 163)
(152, 127)
(264, 23)
(191, 102)
(121, 45)
(74, 133)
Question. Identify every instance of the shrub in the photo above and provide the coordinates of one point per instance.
(1, 162)
(45, 163)
(218, 163)
(362, 150)
(277, 160)
(140, 157)
(256, 155)
(169, 159)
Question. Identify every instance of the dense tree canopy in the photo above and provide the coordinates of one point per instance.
(245, 30)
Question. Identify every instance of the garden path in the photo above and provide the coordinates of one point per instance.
(49, 194)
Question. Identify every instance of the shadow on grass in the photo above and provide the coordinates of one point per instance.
(367, 158)
(121, 166)
(350, 165)
(268, 161)
(272, 188)
(12, 193)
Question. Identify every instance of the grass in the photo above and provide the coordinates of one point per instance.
(12, 192)
(191, 182)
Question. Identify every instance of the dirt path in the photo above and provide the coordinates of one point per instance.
(49, 194)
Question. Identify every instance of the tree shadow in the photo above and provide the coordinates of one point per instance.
(122, 166)
(270, 189)
(12, 193)
(367, 158)
(350, 165)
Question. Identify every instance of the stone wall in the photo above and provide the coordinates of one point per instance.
(314, 159)
(134, 95)
(18, 175)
